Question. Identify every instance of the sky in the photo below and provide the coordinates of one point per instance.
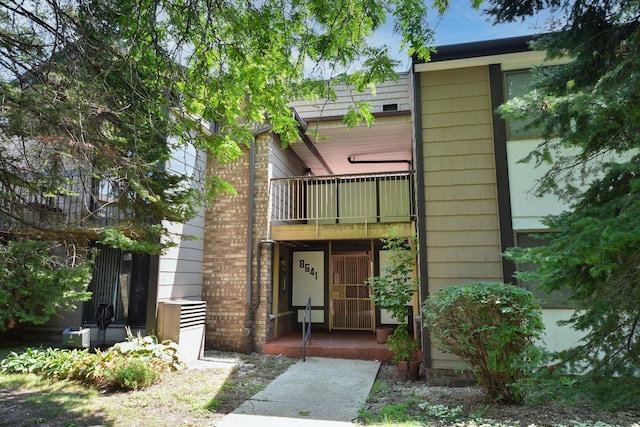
(462, 24)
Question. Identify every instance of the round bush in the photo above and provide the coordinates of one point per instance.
(492, 327)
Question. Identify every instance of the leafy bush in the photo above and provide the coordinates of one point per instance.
(441, 412)
(150, 350)
(491, 326)
(50, 362)
(134, 364)
(395, 286)
(402, 344)
(131, 373)
(394, 289)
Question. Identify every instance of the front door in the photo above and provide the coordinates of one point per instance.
(350, 305)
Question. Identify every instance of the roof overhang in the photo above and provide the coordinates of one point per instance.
(513, 53)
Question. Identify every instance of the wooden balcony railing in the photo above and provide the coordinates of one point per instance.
(332, 199)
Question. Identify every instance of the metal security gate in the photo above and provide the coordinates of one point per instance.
(121, 281)
(350, 305)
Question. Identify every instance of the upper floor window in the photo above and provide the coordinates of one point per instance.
(517, 83)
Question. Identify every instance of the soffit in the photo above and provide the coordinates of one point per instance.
(385, 140)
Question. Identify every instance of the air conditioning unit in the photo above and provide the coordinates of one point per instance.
(183, 321)
(76, 338)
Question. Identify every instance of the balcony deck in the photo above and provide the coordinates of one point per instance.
(347, 206)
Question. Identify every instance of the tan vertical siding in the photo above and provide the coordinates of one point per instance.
(463, 235)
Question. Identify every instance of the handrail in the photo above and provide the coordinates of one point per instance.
(306, 329)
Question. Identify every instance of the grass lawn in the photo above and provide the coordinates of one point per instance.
(201, 397)
(193, 397)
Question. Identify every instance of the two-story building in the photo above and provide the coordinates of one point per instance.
(438, 162)
(307, 220)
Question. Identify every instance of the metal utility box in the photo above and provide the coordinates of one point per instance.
(183, 322)
(76, 338)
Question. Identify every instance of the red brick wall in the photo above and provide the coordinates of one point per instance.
(225, 257)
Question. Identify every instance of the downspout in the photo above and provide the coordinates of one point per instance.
(247, 342)
(421, 216)
(261, 243)
(247, 327)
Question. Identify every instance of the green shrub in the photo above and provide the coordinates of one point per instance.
(148, 348)
(133, 364)
(402, 344)
(492, 327)
(131, 373)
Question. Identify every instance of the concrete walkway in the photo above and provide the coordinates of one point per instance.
(318, 392)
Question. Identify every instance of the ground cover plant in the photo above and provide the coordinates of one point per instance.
(133, 364)
(415, 403)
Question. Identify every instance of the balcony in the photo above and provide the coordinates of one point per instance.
(80, 201)
(343, 199)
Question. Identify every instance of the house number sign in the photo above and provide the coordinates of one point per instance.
(308, 268)
(308, 277)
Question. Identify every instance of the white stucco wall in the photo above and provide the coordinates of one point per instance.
(557, 338)
(527, 212)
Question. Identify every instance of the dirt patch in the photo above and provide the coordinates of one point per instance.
(460, 406)
(198, 396)
(213, 387)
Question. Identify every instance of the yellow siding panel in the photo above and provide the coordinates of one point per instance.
(443, 238)
(460, 208)
(465, 254)
(449, 119)
(470, 103)
(462, 90)
(462, 221)
(447, 178)
(442, 138)
(454, 223)
(455, 76)
(460, 162)
(448, 274)
(473, 192)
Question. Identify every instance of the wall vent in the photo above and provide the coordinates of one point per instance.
(183, 321)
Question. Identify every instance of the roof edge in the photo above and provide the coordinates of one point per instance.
(480, 48)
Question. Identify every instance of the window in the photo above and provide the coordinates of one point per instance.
(517, 83)
(555, 299)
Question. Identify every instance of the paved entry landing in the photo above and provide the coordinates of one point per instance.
(318, 392)
(336, 344)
